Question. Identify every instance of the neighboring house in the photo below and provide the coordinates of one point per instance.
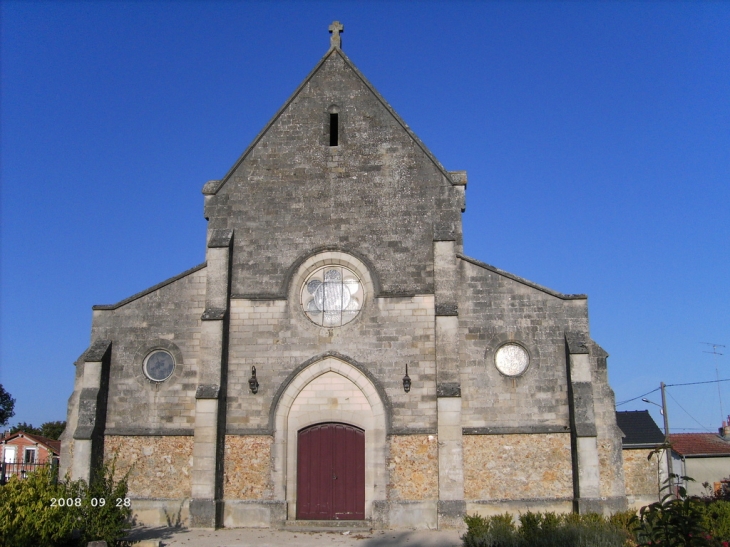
(645, 459)
(22, 452)
(269, 385)
(705, 457)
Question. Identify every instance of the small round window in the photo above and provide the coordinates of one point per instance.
(332, 296)
(511, 359)
(158, 366)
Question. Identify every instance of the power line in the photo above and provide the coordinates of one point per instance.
(696, 383)
(690, 415)
(639, 397)
(673, 385)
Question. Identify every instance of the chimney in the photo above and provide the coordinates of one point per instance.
(725, 429)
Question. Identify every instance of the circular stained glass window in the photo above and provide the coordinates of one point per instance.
(512, 359)
(332, 296)
(158, 366)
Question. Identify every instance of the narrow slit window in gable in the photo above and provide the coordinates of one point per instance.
(334, 130)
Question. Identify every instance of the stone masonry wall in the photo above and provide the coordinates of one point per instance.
(514, 467)
(330, 391)
(247, 467)
(159, 467)
(413, 466)
(494, 309)
(376, 194)
(168, 318)
(276, 337)
(608, 433)
(641, 473)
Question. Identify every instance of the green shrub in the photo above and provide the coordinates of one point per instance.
(28, 516)
(673, 522)
(32, 515)
(716, 519)
(495, 531)
(543, 530)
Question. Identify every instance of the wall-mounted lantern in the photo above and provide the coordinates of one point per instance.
(253, 383)
(406, 381)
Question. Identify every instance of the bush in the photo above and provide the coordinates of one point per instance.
(32, 515)
(673, 522)
(543, 530)
(496, 531)
(716, 519)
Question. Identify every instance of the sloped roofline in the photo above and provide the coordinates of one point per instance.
(38, 439)
(522, 280)
(213, 187)
(150, 290)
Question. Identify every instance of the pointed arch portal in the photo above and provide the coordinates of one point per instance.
(330, 411)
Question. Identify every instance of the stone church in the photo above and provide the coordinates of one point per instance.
(337, 356)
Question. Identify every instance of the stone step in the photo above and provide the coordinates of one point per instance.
(328, 526)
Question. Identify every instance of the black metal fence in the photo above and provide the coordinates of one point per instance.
(22, 469)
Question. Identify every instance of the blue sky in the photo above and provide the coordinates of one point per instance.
(596, 136)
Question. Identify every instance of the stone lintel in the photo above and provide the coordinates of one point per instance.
(395, 294)
(220, 239)
(258, 296)
(209, 391)
(577, 342)
(408, 431)
(97, 351)
(148, 432)
(518, 430)
(213, 314)
(448, 310)
(450, 389)
(232, 430)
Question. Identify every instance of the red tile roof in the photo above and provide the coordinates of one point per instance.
(697, 444)
(55, 446)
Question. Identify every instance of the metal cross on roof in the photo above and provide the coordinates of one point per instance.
(335, 28)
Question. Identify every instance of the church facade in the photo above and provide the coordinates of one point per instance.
(337, 356)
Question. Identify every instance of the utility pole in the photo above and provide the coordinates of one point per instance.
(670, 466)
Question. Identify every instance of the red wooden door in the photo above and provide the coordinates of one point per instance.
(331, 473)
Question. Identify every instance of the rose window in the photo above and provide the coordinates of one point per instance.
(332, 296)
(512, 359)
(158, 366)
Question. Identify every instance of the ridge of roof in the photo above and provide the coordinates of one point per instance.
(212, 187)
(522, 280)
(150, 290)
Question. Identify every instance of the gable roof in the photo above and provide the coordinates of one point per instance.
(213, 186)
(639, 429)
(699, 444)
(50, 444)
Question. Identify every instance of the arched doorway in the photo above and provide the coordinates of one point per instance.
(328, 390)
(331, 472)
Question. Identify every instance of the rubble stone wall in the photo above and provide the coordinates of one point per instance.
(513, 467)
